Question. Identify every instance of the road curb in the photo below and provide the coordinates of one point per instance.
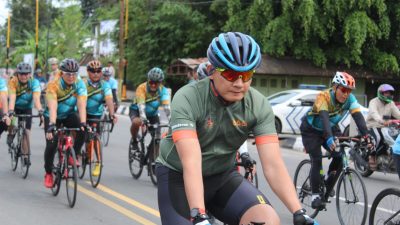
(292, 142)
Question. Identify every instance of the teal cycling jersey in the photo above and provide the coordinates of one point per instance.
(24, 93)
(66, 96)
(113, 83)
(326, 101)
(3, 85)
(152, 100)
(97, 94)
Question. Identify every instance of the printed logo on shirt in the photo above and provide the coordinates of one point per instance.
(239, 123)
(260, 199)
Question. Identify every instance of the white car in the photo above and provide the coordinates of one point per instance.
(290, 106)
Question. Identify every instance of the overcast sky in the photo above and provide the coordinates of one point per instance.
(3, 11)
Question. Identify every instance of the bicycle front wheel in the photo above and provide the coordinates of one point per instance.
(57, 168)
(25, 158)
(71, 176)
(386, 208)
(106, 133)
(96, 162)
(153, 154)
(302, 184)
(351, 198)
(83, 161)
(135, 160)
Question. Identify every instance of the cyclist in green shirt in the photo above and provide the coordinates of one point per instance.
(210, 120)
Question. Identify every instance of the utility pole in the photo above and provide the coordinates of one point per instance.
(121, 42)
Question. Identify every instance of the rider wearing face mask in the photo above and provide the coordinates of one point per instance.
(381, 110)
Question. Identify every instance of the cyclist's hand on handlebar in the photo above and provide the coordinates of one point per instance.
(114, 119)
(41, 117)
(49, 131)
(369, 140)
(331, 143)
(247, 161)
(85, 127)
(300, 218)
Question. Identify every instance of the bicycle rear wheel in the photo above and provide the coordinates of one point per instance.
(96, 162)
(71, 176)
(57, 168)
(135, 160)
(351, 198)
(25, 158)
(302, 184)
(151, 166)
(386, 208)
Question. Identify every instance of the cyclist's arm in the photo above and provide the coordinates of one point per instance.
(36, 100)
(81, 100)
(373, 112)
(277, 175)
(81, 103)
(395, 111)
(360, 122)
(11, 101)
(324, 116)
(115, 97)
(36, 95)
(52, 105)
(190, 155)
(4, 102)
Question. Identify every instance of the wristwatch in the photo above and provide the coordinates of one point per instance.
(198, 213)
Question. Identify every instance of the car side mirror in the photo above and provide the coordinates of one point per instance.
(295, 103)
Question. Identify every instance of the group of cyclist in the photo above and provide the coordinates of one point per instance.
(210, 119)
(70, 101)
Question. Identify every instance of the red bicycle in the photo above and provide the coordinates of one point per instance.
(64, 166)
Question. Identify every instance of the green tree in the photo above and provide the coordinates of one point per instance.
(341, 32)
(161, 33)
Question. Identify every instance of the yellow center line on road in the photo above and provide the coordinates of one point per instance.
(115, 206)
(128, 200)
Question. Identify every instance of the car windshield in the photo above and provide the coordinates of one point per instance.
(281, 97)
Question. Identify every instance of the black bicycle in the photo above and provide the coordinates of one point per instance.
(146, 154)
(16, 145)
(385, 209)
(351, 194)
(92, 154)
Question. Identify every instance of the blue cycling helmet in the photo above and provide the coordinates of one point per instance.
(155, 74)
(234, 51)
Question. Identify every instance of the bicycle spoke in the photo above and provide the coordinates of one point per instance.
(386, 208)
(351, 199)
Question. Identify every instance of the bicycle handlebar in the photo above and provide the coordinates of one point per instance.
(25, 115)
(105, 121)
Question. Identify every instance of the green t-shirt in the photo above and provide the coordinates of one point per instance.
(221, 129)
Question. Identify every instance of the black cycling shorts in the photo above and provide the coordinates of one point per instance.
(227, 196)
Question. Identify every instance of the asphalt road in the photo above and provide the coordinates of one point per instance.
(119, 199)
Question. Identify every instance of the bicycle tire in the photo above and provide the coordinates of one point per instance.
(302, 185)
(96, 159)
(24, 167)
(106, 133)
(83, 161)
(58, 165)
(13, 158)
(154, 148)
(379, 200)
(347, 179)
(135, 157)
(70, 174)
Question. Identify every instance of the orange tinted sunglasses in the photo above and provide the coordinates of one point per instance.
(345, 90)
(232, 76)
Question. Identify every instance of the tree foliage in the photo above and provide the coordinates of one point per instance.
(342, 32)
(161, 33)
